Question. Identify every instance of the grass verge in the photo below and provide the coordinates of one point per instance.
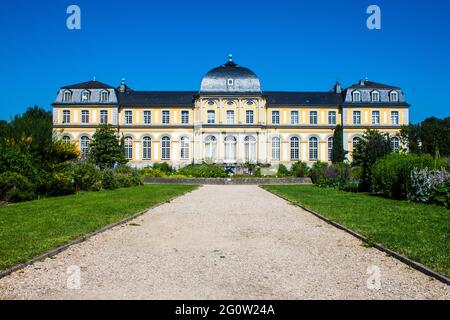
(418, 231)
(29, 229)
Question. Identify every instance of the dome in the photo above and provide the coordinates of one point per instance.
(230, 78)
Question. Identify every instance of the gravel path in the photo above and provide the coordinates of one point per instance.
(222, 242)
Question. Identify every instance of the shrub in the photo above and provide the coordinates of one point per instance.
(109, 181)
(203, 171)
(299, 169)
(282, 170)
(163, 167)
(86, 177)
(441, 194)
(391, 175)
(60, 183)
(425, 184)
(127, 177)
(151, 172)
(317, 171)
(349, 186)
(15, 187)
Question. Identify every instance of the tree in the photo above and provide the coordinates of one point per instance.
(339, 153)
(373, 146)
(106, 148)
(431, 136)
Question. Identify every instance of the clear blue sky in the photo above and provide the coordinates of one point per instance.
(169, 45)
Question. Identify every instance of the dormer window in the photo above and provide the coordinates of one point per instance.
(67, 96)
(356, 95)
(375, 96)
(393, 96)
(230, 82)
(85, 95)
(104, 96)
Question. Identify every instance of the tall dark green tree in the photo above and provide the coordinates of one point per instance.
(373, 146)
(106, 148)
(339, 153)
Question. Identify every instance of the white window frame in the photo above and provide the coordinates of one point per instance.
(128, 148)
(103, 116)
(332, 117)
(330, 143)
(84, 146)
(249, 117)
(230, 117)
(146, 148)
(184, 148)
(211, 116)
(184, 117)
(276, 149)
(395, 118)
(102, 94)
(165, 148)
(295, 117)
(395, 144)
(275, 117)
(210, 148)
(356, 96)
(85, 96)
(391, 96)
(128, 117)
(313, 149)
(66, 139)
(313, 117)
(250, 149)
(66, 116)
(356, 117)
(375, 96)
(165, 117)
(230, 149)
(294, 146)
(85, 115)
(376, 117)
(65, 94)
(147, 117)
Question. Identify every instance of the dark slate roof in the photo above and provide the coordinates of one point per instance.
(89, 85)
(276, 98)
(156, 98)
(372, 85)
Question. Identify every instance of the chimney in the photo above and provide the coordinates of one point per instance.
(338, 88)
(123, 86)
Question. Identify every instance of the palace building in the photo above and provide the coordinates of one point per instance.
(230, 120)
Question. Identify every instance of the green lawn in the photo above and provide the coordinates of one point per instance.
(418, 231)
(32, 228)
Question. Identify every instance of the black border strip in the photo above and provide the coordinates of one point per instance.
(413, 264)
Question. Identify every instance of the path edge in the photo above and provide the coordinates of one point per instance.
(85, 237)
(411, 263)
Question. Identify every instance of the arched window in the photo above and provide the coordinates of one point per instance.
(184, 148)
(85, 95)
(393, 96)
(128, 148)
(250, 149)
(84, 147)
(395, 144)
(356, 141)
(313, 149)
(295, 148)
(147, 148)
(104, 96)
(67, 96)
(210, 148)
(356, 95)
(330, 149)
(375, 96)
(66, 139)
(165, 148)
(276, 145)
(230, 149)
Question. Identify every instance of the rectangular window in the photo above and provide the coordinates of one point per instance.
(313, 117)
(147, 117)
(332, 117)
(103, 116)
(211, 117)
(66, 116)
(128, 117)
(294, 117)
(275, 117)
(230, 117)
(356, 117)
(166, 117)
(395, 118)
(84, 116)
(249, 117)
(184, 117)
(375, 117)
